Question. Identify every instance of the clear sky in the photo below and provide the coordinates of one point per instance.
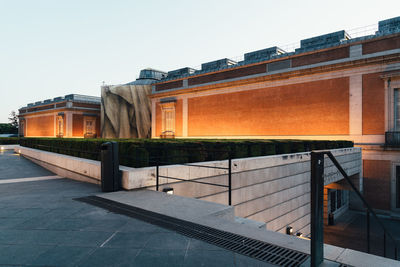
(51, 48)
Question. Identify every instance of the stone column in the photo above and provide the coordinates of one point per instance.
(355, 105)
(185, 117)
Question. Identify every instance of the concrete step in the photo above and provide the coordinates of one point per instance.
(251, 223)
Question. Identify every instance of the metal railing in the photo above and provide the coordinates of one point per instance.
(228, 169)
(317, 187)
(392, 139)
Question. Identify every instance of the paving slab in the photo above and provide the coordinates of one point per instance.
(41, 224)
(12, 166)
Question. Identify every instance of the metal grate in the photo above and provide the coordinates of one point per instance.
(263, 251)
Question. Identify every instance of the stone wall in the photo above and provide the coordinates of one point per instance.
(125, 111)
(271, 189)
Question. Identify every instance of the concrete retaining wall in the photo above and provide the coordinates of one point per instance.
(85, 170)
(271, 189)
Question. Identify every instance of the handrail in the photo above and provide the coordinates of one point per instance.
(193, 181)
(317, 207)
(229, 169)
(369, 208)
(337, 164)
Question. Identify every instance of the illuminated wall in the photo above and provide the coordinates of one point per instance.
(77, 125)
(46, 125)
(314, 108)
(373, 104)
(40, 125)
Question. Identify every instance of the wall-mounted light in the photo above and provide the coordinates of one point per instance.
(289, 230)
(302, 236)
(299, 234)
(2, 148)
(168, 190)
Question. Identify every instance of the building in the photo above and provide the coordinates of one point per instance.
(332, 87)
(69, 116)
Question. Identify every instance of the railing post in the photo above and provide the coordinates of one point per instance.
(230, 180)
(384, 244)
(368, 236)
(317, 208)
(157, 174)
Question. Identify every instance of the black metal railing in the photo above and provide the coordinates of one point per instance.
(392, 139)
(317, 187)
(158, 163)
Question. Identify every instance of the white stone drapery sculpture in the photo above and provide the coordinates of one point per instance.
(125, 111)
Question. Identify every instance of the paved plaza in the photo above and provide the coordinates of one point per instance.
(42, 225)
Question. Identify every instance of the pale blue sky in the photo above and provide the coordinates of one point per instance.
(50, 48)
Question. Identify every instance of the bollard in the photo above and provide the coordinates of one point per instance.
(110, 178)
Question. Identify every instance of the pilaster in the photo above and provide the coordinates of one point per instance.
(355, 105)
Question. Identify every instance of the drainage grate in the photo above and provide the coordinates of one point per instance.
(247, 246)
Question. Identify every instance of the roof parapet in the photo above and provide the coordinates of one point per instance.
(386, 27)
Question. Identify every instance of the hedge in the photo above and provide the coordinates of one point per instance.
(9, 140)
(147, 152)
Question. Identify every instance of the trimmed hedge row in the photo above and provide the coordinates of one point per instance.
(147, 152)
(9, 140)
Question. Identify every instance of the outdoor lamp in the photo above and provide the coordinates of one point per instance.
(289, 230)
(168, 190)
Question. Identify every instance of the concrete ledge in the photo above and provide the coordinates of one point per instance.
(66, 166)
(171, 205)
(8, 147)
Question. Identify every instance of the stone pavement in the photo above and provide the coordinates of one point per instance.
(42, 225)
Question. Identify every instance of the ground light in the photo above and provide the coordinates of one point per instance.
(289, 230)
(302, 236)
(168, 190)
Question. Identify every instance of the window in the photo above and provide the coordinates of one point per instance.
(339, 199)
(396, 111)
(332, 194)
(397, 186)
(89, 124)
(168, 119)
(89, 129)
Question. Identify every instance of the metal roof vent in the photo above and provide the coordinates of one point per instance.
(263, 54)
(180, 72)
(152, 74)
(218, 64)
(323, 41)
(389, 26)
